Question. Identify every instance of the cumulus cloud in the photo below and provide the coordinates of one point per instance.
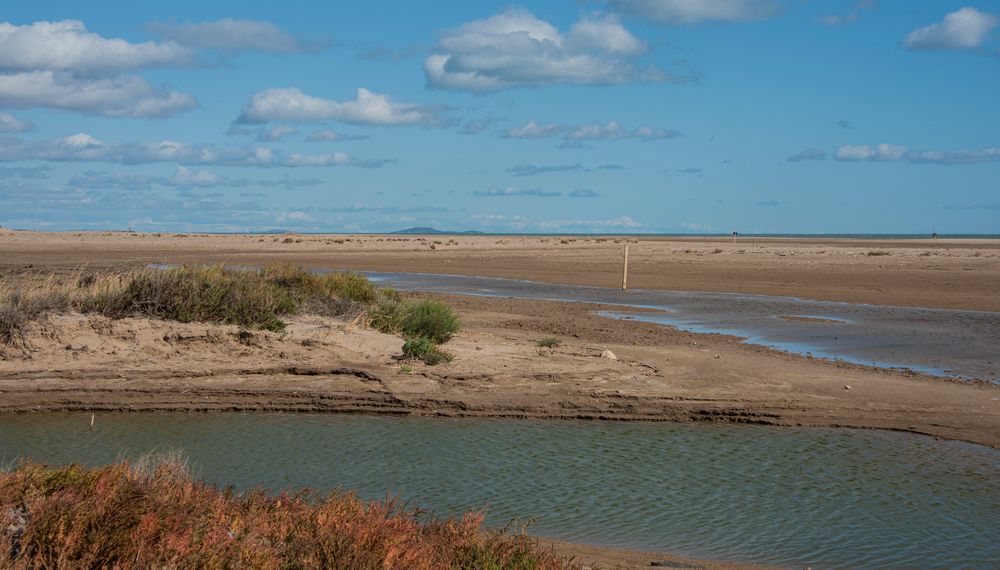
(808, 154)
(11, 124)
(119, 96)
(896, 153)
(61, 65)
(516, 49)
(328, 135)
(68, 46)
(687, 12)
(965, 29)
(532, 170)
(368, 108)
(229, 34)
(275, 133)
(513, 192)
(82, 147)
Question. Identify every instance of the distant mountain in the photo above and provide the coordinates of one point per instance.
(432, 231)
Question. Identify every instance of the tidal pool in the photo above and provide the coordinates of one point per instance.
(941, 342)
(825, 498)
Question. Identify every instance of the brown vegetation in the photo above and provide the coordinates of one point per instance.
(154, 515)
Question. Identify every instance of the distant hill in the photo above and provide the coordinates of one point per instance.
(432, 231)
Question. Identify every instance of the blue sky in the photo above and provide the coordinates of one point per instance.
(560, 116)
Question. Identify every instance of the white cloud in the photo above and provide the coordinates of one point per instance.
(368, 108)
(328, 135)
(516, 49)
(575, 135)
(182, 178)
(882, 152)
(613, 130)
(895, 153)
(965, 29)
(514, 192)
(119, 96)
(687, 12)
(61, 65)
(533, 130)
(275, 133)
(229, 34)
(619, 223)
(68, 46)
(85, 148)
(185, 177)
(11, 124)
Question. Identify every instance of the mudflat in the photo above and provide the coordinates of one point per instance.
(944, 273)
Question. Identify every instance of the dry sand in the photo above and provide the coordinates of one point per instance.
(78, 362)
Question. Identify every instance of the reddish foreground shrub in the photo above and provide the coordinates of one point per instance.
(141, 516)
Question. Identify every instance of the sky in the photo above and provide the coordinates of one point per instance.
(575, 116)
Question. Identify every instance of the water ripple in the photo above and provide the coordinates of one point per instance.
(797, 497)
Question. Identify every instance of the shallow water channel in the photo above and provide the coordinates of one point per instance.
(953, 343)
(825, 498)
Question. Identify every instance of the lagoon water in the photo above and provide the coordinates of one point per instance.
(941, 342)
(825, 498)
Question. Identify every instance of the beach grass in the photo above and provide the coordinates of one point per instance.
(153, 514)
(246, 298)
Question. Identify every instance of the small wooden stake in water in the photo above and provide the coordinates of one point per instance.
(92, 421)
(625, 270)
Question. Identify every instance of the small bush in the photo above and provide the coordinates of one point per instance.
(352, 286)
(550, 342)
(877, 252)
(209, 294)
(432, 319)
(18, 310)
(425, 349)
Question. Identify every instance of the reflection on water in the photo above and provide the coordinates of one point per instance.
(821, 497)
(961, 344)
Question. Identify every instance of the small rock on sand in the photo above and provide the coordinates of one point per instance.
(609, 355)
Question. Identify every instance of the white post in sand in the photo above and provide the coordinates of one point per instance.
(625, 270)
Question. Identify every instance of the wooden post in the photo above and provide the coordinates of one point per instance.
(625, 270)
(91, 421)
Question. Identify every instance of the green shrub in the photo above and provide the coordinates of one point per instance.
(351, 286)
(425, 349)
(550, 342)
(432, 319)
(210, 294)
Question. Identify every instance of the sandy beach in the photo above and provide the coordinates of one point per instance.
(321, 364)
